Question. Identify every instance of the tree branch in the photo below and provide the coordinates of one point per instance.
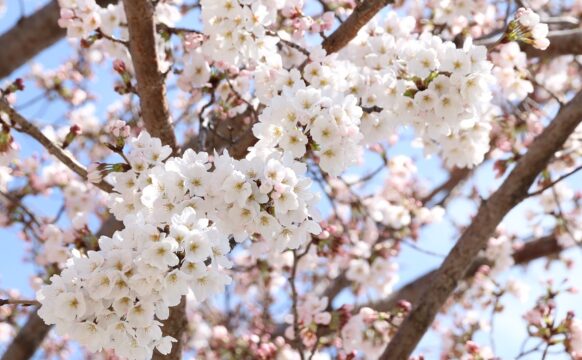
(151, 83)
(31, 35)
(151, 88)
(350, 28)
(413, 291)
(28, 37)
(491, 212)
(456, 176)
(27, 127)
(28, 339)
(19, 302)
(563, 177)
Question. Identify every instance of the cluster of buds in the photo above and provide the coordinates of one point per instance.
(527, 28)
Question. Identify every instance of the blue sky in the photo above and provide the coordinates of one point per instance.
(510, 331)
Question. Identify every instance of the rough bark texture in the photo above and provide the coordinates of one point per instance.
(151, 83)
(34, 330)
(31, 35)
(491, 212)
(65, 157)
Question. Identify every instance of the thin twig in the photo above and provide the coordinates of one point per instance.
(112, 38)
(538, 192)
(422, 250)
(18, 202)
(296, 336)
(27, 127)
(19, 302)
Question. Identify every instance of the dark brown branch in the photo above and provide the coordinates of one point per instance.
(19, 302)
(174, 326)
(28, 339)
(348, 30)
(151, 88)
(30, 36)
(151, 83)
(513, 190)
(27, 127)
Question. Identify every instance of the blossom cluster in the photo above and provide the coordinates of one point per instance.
(311, 313)
(510, 72)
(369, 331)
(530, 30)
(179, 214)
(303, 115)
(80, 18)
(441, 91)
(237, 31)
(381, 275)
(499, 251)
(332, 109)
(460, 14)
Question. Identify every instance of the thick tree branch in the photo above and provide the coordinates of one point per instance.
(33, 332)
(31, 35)
(151, 83)
(348, 30)
(28, 339)
(28, 37)
(27, 127)
(491, 212)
